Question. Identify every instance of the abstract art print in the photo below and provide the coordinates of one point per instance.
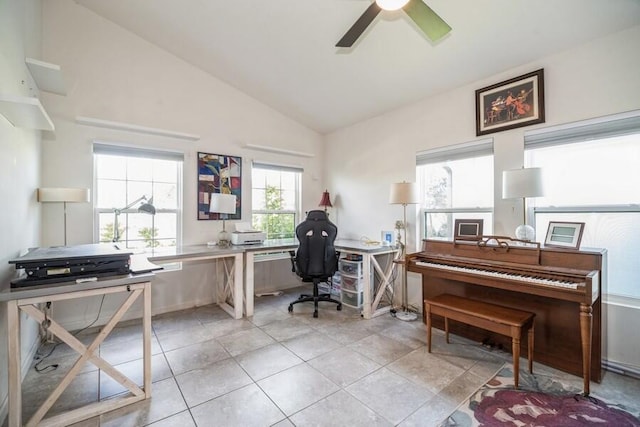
(218, 173)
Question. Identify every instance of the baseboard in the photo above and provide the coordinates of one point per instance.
(621, 369)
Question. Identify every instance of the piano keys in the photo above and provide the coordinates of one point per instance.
(563, 288)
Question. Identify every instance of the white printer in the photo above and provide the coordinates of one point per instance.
(245, 235)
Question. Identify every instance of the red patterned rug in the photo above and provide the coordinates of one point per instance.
(540, 401)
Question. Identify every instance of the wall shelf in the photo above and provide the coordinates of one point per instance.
(90, 121)
(25, 112)
(47, 76)
(278, 150)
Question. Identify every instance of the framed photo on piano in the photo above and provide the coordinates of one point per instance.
(564, 234)
(467, 229)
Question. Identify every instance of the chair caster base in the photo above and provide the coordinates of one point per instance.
(290, 308)
(339, 307)
(315, 313)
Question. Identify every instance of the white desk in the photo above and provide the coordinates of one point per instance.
(370, 302)
(27, 299)
(229, 290)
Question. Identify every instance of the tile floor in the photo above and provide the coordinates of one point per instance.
(281, 369)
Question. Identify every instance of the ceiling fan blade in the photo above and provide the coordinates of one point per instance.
(358, 28)
(429, 22)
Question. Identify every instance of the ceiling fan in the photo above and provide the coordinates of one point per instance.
(429, 22)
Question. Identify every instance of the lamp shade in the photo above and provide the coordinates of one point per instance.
(404, 193)
(222, 203)
(520, 183)
(326, 200)
(391, 4)
(67, 195)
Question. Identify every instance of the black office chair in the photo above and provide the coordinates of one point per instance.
(316, 259)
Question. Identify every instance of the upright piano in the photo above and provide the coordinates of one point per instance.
(563, 287)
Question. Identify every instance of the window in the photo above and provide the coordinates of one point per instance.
(456, 183)
(275, 196)
(126, 178)
(591, 175)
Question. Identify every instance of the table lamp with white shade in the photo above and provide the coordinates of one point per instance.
(522, 184)
(223, 204)
(404, 193)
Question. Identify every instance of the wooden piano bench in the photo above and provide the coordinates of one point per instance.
(495, 318)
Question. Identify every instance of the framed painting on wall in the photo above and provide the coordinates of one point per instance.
(218, 173)
(510, 104)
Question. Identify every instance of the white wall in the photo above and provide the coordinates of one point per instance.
(596, 79)
(114, 75)
(19, 162)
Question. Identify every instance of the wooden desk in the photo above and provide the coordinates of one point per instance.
(370, 301)
(26, 300)
(229, 290)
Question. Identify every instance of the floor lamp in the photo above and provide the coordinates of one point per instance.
(64, 196)
(404, 193)
(520, 184)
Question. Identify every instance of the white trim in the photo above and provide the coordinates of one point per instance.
(90, 121)
(578, 124)
(278, 150)
(621, 368)
(621, 301)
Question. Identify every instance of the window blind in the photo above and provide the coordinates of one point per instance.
(586, 130)
(100, 147)
(276, 167)
(483, 147)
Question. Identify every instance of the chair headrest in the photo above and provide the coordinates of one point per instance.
(317, 215)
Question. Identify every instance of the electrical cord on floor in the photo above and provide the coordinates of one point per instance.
(42, 357)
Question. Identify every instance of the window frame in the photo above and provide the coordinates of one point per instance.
(114, 149)
(297, 211)
(583, 132)
(468, 150)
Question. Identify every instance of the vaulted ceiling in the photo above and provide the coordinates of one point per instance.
(282, 52)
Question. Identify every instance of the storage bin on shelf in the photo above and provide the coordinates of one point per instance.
(351, 280)
(325, 288)
(353, 268)
(351, 299)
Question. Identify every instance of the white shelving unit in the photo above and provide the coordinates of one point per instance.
(25, 112)
(28, 112)
(47, 76)
(351, 282)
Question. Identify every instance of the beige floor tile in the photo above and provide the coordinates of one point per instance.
(344, 366)
(297, 387)
(309, 346)
(244, 341)
(195, 356)
(268, 360)
(390, 395)
(232, 409)
(339, 409)
(212, 381)
(381, 349)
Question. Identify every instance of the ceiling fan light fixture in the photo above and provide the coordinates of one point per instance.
(391, 4)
